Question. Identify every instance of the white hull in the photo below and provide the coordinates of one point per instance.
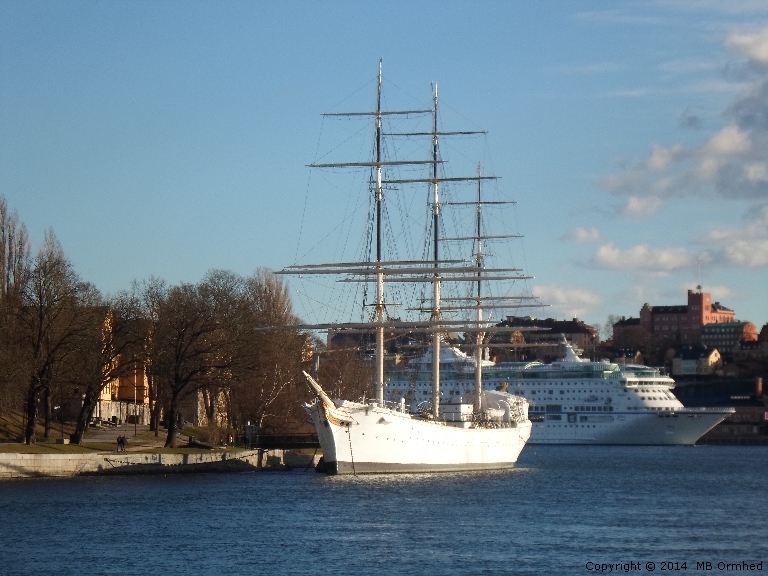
(681, 428)
(380, 440)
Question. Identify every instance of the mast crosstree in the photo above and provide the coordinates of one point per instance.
(434, 271)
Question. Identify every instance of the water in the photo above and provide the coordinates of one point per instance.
(562, 507)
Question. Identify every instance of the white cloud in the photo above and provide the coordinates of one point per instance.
(745, 246)
(581, 235)
(756, 172)
(641, 205)
(748, 253)
(730, 161)
(569, 302)
(756, 227)
(752, 45)
(715, 291)
(728, 142)
(662, 157)
(719, 293)
(642, 257)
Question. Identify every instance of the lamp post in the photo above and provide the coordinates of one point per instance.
(61, 411)
(135, 415)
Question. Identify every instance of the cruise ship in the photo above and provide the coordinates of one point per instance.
(572, 401)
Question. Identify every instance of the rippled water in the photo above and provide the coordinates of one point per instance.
(562, 507)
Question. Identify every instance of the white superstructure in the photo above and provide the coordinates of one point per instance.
(575, 401)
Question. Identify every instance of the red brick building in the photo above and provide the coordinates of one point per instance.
(686, 321)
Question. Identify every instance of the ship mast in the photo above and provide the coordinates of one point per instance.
(379, 274)
(479, 336)
(436, 283)
(378, 266)
(435, 271)
(481, 302)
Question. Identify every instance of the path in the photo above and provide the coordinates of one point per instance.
(139, 437)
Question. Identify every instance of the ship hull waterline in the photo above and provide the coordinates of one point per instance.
(384, 441)
(682, 428)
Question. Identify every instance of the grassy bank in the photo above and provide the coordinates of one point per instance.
(98, 440)
(12, 428)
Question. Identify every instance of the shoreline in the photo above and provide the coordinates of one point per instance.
(22, 466)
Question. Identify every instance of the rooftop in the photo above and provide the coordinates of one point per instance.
(721, 327)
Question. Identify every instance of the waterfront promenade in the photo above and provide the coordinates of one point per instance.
(144, 454)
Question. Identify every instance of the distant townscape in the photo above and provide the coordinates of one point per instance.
(189, 356)
(666, 336)
(715, 359)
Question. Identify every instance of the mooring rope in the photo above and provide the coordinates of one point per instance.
(311, 461)
(351, 455)
(539, 458)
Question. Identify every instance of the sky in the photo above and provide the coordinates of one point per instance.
(171, 138)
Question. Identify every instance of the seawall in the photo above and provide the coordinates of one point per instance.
(69, 465)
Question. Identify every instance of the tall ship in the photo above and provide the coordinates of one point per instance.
(482, 429)
(575, 401)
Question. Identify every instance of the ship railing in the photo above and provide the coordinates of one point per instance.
(404, 376)
(394, 405)
(632, 383)
(705, 409)
(500, 373)
(456, 417)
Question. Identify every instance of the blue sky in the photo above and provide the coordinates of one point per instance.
(169, 138)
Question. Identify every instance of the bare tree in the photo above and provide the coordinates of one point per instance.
(110, 346)
(204, 338)
(14, 253)
(606, 330)
(191, 345)
(49, 321)
(345, 374)
(14, 267)
(269, 386)
(150, 296)
(226, 292)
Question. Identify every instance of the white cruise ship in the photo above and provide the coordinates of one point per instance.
(574, 401)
